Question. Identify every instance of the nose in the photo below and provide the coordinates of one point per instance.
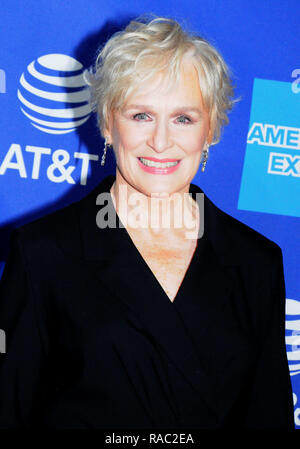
(160, 139)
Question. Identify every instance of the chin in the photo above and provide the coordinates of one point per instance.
(161, 190)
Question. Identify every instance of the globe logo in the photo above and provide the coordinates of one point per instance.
(54, 95)
(292, 335)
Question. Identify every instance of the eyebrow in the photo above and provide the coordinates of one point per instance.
(178, 109)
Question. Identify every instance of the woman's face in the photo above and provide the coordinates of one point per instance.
(160, 126)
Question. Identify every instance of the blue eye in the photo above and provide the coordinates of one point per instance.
(183, 119)
(140, 116)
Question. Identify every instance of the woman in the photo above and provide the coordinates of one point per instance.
(140, 324)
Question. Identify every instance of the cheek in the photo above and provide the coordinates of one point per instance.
(127, 137)
(193, 142)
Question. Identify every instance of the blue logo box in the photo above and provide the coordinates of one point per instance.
(271, 173)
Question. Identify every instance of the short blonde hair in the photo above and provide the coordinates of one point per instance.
(148, 46)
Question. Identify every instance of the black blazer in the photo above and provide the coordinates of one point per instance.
(92, 340)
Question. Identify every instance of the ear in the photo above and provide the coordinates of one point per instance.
(209, 138)
(107, 135)
(107, 130)
(211, 131)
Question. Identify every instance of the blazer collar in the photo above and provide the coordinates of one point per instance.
(99, 245)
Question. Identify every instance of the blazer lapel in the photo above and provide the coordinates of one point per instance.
(118, 265)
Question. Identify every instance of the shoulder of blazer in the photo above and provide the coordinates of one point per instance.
(60, 230)
(238, 241)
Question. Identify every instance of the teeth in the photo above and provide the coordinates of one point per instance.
(158, 164)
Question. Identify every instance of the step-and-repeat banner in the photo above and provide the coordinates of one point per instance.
(50, 149)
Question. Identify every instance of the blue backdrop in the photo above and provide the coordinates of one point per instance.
(50, 149)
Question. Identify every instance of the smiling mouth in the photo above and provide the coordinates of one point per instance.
(150, 163)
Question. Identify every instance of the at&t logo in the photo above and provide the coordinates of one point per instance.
(53, 94)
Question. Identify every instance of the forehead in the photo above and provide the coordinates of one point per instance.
(162, 88)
